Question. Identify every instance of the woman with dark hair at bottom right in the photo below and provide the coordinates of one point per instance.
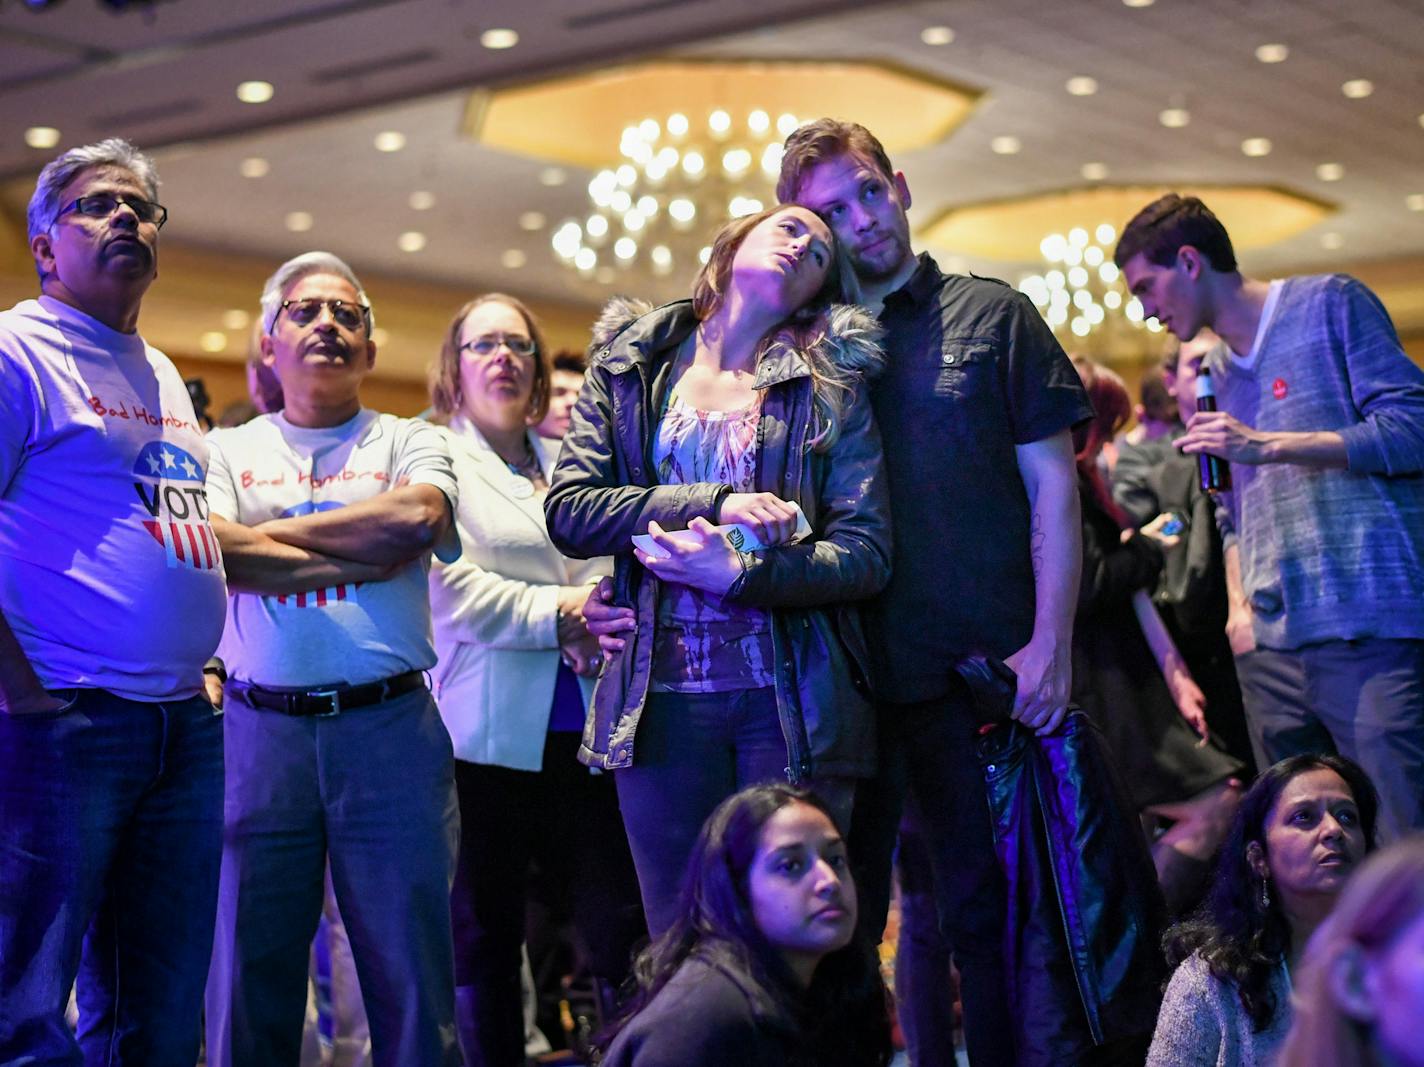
(761, 967)
(1301, 829)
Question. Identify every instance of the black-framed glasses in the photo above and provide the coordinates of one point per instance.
(344, 313)
(102, 205)
(487, 344)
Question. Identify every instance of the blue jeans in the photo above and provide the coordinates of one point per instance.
(110, 840)
(693, 750)
(373, 789)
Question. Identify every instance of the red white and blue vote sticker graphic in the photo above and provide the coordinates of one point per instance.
(169, 482)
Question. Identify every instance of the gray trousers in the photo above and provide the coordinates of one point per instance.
(1363, 699)
(350, 1044)
(373, 790)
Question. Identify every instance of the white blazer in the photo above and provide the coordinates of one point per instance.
(495, 609)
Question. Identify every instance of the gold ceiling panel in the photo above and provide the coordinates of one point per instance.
(1011, 230)
(578, 120)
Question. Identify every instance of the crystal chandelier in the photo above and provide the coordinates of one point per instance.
(676, 182)
(1080, 291)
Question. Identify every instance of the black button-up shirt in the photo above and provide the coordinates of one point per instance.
(972, 370)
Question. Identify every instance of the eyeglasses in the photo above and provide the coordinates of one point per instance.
(102, 205)
(345, 314)
(488, 344)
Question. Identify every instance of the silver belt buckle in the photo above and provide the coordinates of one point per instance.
(334, 694)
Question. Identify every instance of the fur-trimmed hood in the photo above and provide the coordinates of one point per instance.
(847, 337)
(618, 314)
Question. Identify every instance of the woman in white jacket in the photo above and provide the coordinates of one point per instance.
(516, 667)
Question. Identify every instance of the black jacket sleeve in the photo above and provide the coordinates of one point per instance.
(850, 557)
(595, 503)
(1112, 570)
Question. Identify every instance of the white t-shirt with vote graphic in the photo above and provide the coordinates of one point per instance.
(110, 575)
(348, 634)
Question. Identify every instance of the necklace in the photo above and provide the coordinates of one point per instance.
(528, 466)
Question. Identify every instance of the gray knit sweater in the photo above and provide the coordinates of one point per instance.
(1202, 1022)
(1329, 554)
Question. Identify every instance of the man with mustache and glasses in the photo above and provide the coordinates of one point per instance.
(328, 513)
(111, 601)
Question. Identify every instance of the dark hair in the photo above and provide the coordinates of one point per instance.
(567, 360)
(1168, 223)
(445, 394)
(840, 1019)
(1242, 942)
(831, 385)
(1166, 364)
(826, 139)
(1157, 399)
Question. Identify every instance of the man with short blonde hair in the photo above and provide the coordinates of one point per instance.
(975, 407)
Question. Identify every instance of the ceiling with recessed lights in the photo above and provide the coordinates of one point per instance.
(355, 140)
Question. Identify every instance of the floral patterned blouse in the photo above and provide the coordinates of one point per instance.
(703, 645)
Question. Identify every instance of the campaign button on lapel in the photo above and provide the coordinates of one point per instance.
(1279, 388)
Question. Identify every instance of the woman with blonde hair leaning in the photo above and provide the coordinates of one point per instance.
(515, 669)
(1360, 998)
(741, 664)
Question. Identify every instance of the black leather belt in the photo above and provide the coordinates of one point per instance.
(331, 699)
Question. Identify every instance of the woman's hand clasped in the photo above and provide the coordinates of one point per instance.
(771, 518)
(572, 625)
(700, 556)
(577, 646)
(607, 620)
(583, 657)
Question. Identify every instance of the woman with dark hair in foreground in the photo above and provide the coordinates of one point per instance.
(1300, 831)
(760, 968)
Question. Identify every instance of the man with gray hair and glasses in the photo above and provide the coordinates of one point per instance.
(328, 513)
(111, 602)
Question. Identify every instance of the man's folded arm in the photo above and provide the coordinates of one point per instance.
(258, 563)
(387, 530)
